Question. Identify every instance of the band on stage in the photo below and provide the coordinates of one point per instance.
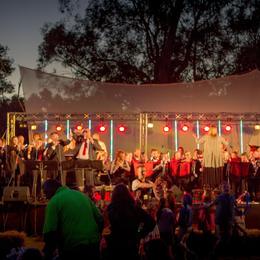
(83, 159)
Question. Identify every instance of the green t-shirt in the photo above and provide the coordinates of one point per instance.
(74, 216)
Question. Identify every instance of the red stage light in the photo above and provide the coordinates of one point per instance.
(79, 127)
(121, 129)
(206, 128)
(58, 128)
(185, 128)
(228, 128)
(166, 129)
(102, 128)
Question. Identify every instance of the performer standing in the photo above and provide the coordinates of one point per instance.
(213, 157)
(54, 151)
(14, 161)
(86, 149)
(103, 154)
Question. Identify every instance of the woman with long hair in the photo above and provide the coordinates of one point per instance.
(120, 168)
(128, 223)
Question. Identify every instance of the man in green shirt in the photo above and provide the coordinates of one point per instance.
(72, 224)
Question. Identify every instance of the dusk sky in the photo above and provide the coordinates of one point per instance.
(20, 29)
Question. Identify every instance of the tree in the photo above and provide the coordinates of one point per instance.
(145, 40)
(246, 26)
(6, 69)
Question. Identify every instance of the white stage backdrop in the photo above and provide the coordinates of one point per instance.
(49, 93)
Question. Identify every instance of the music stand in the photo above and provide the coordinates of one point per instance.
(39, 166)
(91, 166)
(67, 165)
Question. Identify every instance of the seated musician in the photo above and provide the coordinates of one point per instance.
(162, 168)
(120, 168)
(141, 184)
(156, 164)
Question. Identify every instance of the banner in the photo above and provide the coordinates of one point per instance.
(49, 93)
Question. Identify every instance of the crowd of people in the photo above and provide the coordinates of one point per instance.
(150, 214)
(77, 227)
(184, 169)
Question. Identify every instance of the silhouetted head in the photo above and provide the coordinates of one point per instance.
(50, 187)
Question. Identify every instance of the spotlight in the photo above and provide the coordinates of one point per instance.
(257, 127)
(102, 128)
(22, 125)
(166, 129)
(206, 128)
(185, 128)
(228, 128)
(79, 127)
(150, 125)
(58, 128)
(121, 128)
(33, 127)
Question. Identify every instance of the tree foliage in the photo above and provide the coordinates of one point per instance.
(6, 69)
(154, 41)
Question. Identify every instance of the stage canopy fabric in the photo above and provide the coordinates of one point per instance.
(50, 93)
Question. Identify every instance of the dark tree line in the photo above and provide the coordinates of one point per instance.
(8, 101)
(154, 41)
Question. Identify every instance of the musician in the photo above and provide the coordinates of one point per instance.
(35, 153)
(103, 154)
(2, 165)
(235, 174)
(196, 168)
(161, 167)
(213, 157)
(254, 178)
(120, 168)
(14, 163)
(155, 159)
(55, 148)
(141, 184)
(22, 147)
(184, 178)
(87, 146)
(86, 149)
(2, 156)
(36, 150)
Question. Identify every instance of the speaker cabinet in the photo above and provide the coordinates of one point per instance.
(16, 194)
